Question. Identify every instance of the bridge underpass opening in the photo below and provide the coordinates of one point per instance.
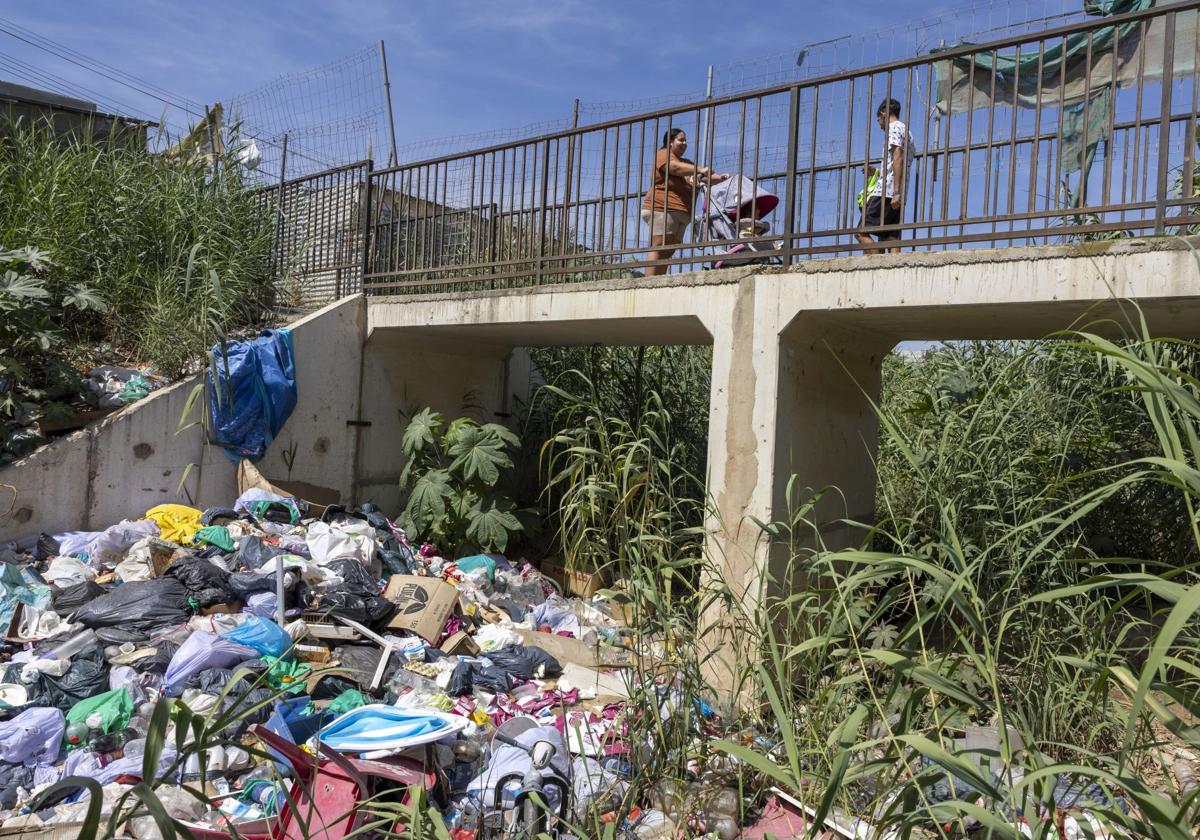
(491, 372)
(828, 436)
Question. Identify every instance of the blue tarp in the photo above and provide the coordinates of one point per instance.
(253, 393)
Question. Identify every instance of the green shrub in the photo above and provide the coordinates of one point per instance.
(451, 479)
(35, 377)
(146, 231)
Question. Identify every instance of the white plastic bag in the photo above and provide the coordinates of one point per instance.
(352, 539)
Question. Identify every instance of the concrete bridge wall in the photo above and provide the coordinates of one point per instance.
(796, 363)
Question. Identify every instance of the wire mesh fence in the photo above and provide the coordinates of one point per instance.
(1077, 131)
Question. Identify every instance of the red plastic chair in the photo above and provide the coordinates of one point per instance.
(325, 795)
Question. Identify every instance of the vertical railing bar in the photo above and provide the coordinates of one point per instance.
(965, 181)
(1190, 140)
(641, 178)
(757, 144)
(542, 204)
(1083, 146)
(909, 166)
(1058, 137)
(987, 161)
(600, 215)
(741, 168)
(366, 254)
(1035, 153)
(625, 192)
(697, 230)
(794, 128)
(1013, 145)
(1106, 185)
(1164, 125)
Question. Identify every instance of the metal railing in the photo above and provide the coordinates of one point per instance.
(318, 248)
(1079, 132)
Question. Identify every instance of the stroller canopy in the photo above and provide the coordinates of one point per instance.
(739, 197)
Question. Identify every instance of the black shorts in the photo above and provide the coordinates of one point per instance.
(870, 217)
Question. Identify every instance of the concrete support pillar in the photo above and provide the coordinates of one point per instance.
(826, 429)
(791, 405)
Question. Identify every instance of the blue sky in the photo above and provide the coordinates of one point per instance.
(457, 66)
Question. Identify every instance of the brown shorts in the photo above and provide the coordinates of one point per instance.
(671, 223)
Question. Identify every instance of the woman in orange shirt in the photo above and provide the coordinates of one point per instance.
(667, 208)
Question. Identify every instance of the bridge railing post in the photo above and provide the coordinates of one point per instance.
(368, 219)
(789, 214)
(1164, 125)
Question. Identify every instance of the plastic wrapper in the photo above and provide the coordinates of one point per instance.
(114, 709)
(67, 571)
(140, 606)
(261, 604)
(201, 651)
(350, 539)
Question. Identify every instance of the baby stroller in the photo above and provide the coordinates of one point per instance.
(734, 209)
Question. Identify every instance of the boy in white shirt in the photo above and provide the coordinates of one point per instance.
(885, 204)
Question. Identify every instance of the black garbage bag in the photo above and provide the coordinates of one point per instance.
(142, 605)
(87, 676)
(206, 582)
(158, 661)
(245, 584)
(252, 553)
(219, 516)
(46, 548)
(73, 597)
(13, 776)
(357, 596)
(369, 610)
(329, 687)
(119, 636)
(525, 663)
(355, 577)
(467, 676)
(362, 660)
(243, 697)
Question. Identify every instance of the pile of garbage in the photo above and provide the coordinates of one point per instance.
(304, 633)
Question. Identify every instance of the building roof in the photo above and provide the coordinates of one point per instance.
(11, 92)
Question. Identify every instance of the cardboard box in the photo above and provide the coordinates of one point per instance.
(318, 498)
(574, 581)
(423, 604)
(460, 644)
(566, 649)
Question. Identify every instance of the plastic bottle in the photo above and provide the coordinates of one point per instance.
(654, 825)
(71, 646)
(77, 734)
(263, 772)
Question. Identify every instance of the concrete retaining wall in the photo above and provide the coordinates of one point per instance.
(135, 459)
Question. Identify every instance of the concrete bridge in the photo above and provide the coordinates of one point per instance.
(796, 364)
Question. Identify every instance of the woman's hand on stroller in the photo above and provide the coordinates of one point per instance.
(706, 173)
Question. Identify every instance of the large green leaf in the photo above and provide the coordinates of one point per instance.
(22, 286)
(492, 523)
(421, 431)
(481, 462)
(427, 502)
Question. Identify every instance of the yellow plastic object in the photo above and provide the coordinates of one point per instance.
(177, 523)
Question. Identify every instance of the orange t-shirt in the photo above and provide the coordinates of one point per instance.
(680, 194)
